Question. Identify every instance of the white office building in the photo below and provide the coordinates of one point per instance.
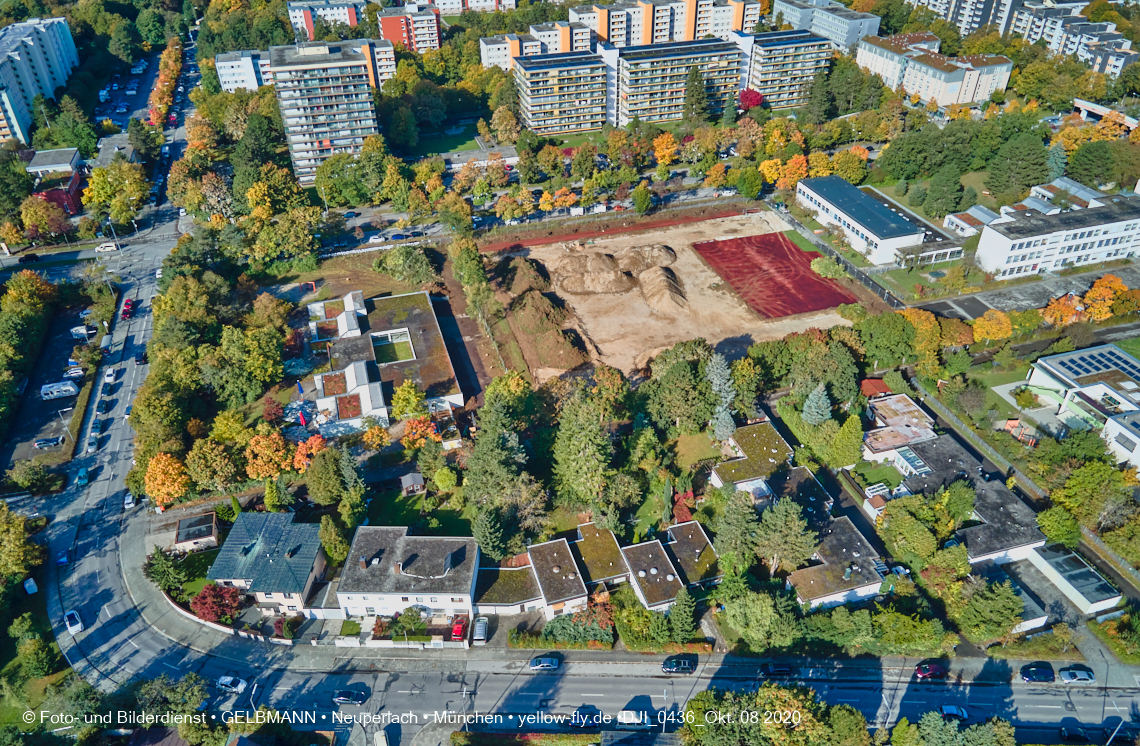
(835, 22)
(248, 69)
(1031, 241)
(36, 57)
(872, 228)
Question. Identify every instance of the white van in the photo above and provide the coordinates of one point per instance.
(633, 720)
(106, 247)
(59, 390)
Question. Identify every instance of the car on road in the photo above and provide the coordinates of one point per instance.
(232, 684)
(459, 628)
(109, 376)
(416, 234)
(127, 312)
(544, 664)
(82, 477)
(953, 712)
(100, 426)
(181, 212)
(677, 665)
(1075, 735)
(924, 671)
(129, 502)
(349, 215)
(62, 558)
(350, 697)
(158, 273)
(73, 622)
(775, 670)
(105, 390)
(27, 259)
(105, 247)
(140, 358)
(1077, 676)
(47, 442)
(93, 444)
(479, 633)
(1037, 673)
(104, 406)
(399, 237)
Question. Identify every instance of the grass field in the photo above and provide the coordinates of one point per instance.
(445, 143)
(393, 352)
(1131, 346)
(990, 378)
(392, 508)
(875, 473)
(692, 448)
(196, 566)
(800, 241)
(33, 692)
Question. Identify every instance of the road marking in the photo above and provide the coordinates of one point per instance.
(591, 695)
(1046, 707)
(133, 643)
(170, 666)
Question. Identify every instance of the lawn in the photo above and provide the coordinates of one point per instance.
(196, 566)
(449, 19)
(990, 377)
(1130, 345)
(872, 473)
(693, 448)
(811, 224)
(340, 274)
(32, 695)
(797, 238)
(349, 628)
(445, 143)
(392, 508)
(649, 515)
(393, 352)
(977, 180)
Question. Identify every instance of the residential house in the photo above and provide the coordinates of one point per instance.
(507, 590)
(273, 559)
(758, 452)
(693, 555)
(388, 570)
(655, 580)
(834, 21)
(412, 484)
(559, 579)
(912, 62)
(598, 556)
(844, 569)
(196, 533)
(337, 319)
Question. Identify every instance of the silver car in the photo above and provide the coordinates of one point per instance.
(1077, 676)
(479, 634)
(544, 664)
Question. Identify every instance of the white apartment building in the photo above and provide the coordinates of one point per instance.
(36, 57)
(781, 65)
(971, 15)
(415, 25)
(562, 92)
(1065, 31)
(835, 22)
(641, 22)
(545, 38)
(933, 77)
(1030, 241)
(248, 69)
(455, 7)
(324, 91)
(871, 227)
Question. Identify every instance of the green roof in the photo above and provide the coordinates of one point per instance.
(431, 369)
(500, 585)
(598, 554)
(763, 451)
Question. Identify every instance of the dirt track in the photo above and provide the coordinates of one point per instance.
(627, 331)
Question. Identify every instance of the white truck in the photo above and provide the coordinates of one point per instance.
(58, 390)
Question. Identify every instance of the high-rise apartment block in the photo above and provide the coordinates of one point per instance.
(912, 61)
(1066, 31)
(415, 25)
(971, 15)
(36, 57)
(641, 22)
(544, 38)
(248, 69)
(781, 65)
(833, 21)
(324, 91)
(561, 92)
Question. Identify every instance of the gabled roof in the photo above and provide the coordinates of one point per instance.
(269, 551)
(691, 551)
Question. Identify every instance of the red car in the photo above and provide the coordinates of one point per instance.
(924, 671)
(459, 628)
(128, 308)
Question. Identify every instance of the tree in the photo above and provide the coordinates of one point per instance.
(665, 149)
(47, 217)
(1061, 311)
(497, 456)
(267, 456)
(211, 465)
(163, 571)
(488, 532)
(642, 199)
(276, 499)
(991, 613)
(993, 325)
(848, 726)
(719, 377)
(408, 401)
(35, 657)
(29, 475)
(506, 125)
(945, 192)
(1059, 526)
(582, 452)
(737, 530)
(333, 541)
(783, 536)
(681, 617)
(696, 97)
(1057, 161)
(324, 478)
(120, 187)
(215, 603)
(1019, 164)
(1092, 163)
(166, 479)
(1098, 301)
(817, 407)
(847, 447)
(376, 437)
(759, 622)
(849, 166)
(23, 627)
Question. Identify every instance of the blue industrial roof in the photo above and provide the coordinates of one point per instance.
(860, 207)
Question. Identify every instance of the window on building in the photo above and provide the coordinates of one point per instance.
(1125, 442)
(404, 599)
(370, 610)
(269, 595)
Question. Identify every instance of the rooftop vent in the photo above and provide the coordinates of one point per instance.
(363, 563)
(653, 571)
(641, 573)
(557, 568)
(669, 577)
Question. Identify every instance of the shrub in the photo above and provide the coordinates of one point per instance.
(916, 196)
(1025, 398)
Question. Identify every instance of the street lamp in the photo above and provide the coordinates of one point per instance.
(113, 234)
(60, 413)
(136, 225)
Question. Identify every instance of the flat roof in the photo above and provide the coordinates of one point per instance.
(502, 586)
(763, 452)
(799, 484)
(789, 37)
(842, 547)
(692, 553)
(558, 60)
(321, 53)
(598, 554)
(196, 527)
(1078, 573)
(903, 420)
(398, 563)
(1028, 223)
(1093, 365)
(862, 208)
(677, 49)
(431, 370)
(556, 571)
(654, 574)
(992, 572)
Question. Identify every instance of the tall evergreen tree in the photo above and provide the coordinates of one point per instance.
(1092, 163)
(582, 453)
(945, 192)
(696, 97)
(783, 536)
(820, 106)
(487, 529)
(847, 448)
(736, 530)
(817, 408)
(728, 119)
(1019, 164)
(497, 457)
(1058, 161)
(969, 198)
(682, 617)
(719, 377)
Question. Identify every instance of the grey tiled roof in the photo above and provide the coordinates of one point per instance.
(270, 551)
(397, 563)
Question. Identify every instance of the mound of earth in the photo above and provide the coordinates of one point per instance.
(579, 264)
(536, 314)
(526, 274)
(592, 283)
(662, 290)
(637, 259)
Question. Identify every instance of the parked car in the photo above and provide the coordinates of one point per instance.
(232, 684)
(399, 237)
(775, 670)
(349, 215)
(93, 444)
(104, 406)
(479, 634)
(1038, 673)
(109, 376)
(544, 664)
(181, 212)
(459, 628)
(100, 426)
(350, 697)
(1077, 676)
(105, 390)
(129, 502)
(82, 477)
(47, 442)
(27, 259)
(105, 247)
(74, 374)
(158, 273)
(677, 665)
(1075, 735)
(924, 671)
(953, 712)
(73, 622)
(140, 358)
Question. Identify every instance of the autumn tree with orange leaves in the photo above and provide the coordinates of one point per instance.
(418, 430)
(1100, 297)
(1062, 311)
(166, 479)
(927, 341)
(993, 325)
(267, 456)
(305, 452)
(794, 170)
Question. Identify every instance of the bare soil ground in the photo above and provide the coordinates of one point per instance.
(626, 331)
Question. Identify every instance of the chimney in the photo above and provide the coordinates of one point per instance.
(847, 573)
(398, 567)
(363, 563)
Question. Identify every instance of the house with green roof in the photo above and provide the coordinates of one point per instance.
(271, 559)
(758, 451)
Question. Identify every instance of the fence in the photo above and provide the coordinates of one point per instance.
(858, 274)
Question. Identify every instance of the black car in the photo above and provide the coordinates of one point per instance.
(104, 406)
(28, 259)
(677, 665)
(100, 426)
(350, 697)
(140, 358)
(1038, 673)
(775, 670)
(1075, 735)
(106, 390)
